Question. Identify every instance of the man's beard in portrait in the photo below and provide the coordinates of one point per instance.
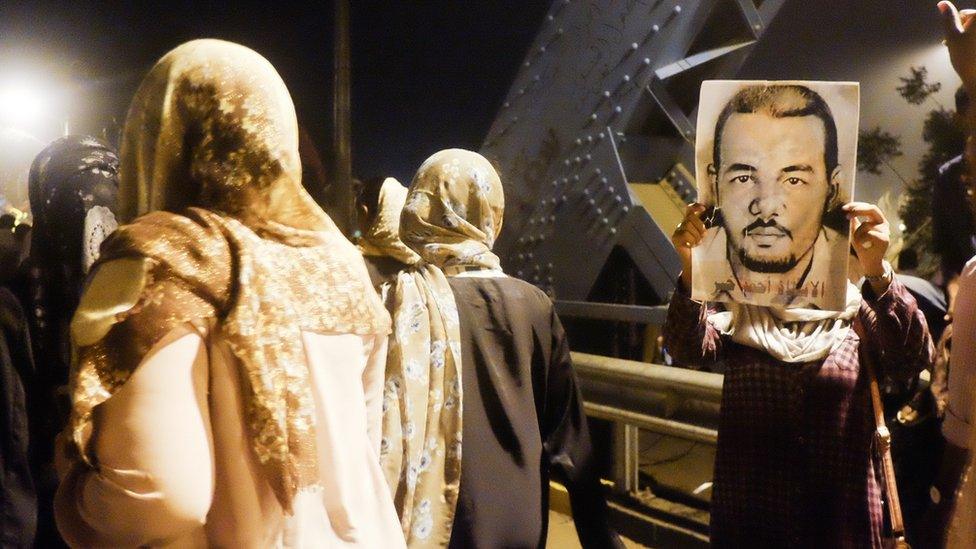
(760, 265)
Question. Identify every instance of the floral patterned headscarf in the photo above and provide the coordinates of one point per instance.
(451, 218)
(454, 212)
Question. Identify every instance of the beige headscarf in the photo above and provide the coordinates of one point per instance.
(212, 139)
(791, 335)
(452, 216)
(382, 238)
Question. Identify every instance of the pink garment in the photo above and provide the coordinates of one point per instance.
(191, 469)
(962, 361)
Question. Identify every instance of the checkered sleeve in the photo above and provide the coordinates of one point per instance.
(689, 337)
(899, 335)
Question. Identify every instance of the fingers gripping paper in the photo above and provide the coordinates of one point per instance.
(775, 161)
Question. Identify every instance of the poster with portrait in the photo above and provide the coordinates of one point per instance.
(775, 161)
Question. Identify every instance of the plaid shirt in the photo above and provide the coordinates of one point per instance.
(794, 463)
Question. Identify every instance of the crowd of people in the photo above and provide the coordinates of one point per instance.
(193, 354)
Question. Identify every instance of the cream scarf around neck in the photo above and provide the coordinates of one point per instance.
(790, 335)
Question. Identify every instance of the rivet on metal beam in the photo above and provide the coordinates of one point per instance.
(579, 142)
(613, 230)
(605, 221)
(647, 61)
(626, 78)
(598, 171)
(593, 116)
(634, 46)
(600, 135)
(606, 94)
(625, 208)
(617, 109)
(604, 180)
(677, 9)
(655, 28)
(577, 160)
(587, 157)
(589, 138)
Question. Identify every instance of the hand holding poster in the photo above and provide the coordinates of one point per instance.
(775, 163)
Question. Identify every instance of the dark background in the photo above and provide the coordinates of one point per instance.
(430, 74)
(426, 75)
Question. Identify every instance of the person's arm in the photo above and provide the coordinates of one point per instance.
(153, 474)
(688, 336)
(566, 438)
(962, 361)
(373, 380)
(898, 334)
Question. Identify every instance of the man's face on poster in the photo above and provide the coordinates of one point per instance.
(772, 187)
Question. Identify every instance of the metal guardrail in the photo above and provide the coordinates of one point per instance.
(645, 384)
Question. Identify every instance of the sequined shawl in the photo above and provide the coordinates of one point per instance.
(212, 126)
(452, 215)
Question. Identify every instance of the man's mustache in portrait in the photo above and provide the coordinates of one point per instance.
(771, 224)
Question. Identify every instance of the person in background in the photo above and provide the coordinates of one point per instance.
(73, 190)
(380, 201)
(481, 404)
(18, 500)
(229, 347)
(953, 224)
(931, 300)
(957, 494)
(794, 465)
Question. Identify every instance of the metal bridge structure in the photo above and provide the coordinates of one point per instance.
(595, 138)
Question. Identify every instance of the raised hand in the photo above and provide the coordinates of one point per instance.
(870, 236)
(687, 235)
(960, 38)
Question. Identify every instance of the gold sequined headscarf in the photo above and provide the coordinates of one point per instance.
(452, 215)
(211, 148)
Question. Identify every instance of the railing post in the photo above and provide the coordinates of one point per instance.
(625, 457)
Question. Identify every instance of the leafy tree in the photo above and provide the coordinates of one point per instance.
(875, 149)
(916, 89)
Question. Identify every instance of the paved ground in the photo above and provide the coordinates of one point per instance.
(562, 534)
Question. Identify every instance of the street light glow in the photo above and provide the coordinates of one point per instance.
(19, 105)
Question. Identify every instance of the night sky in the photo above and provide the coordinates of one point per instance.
(426, 75)
(431, 74)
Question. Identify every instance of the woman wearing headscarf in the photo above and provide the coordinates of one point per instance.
(229, 348)
(478, 367)
(381, 201)
(73, 189)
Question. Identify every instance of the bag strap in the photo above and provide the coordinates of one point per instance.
(882, 439)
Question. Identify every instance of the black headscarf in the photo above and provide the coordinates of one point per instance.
(73, 190)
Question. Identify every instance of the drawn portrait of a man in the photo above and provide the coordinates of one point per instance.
(776, 164)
